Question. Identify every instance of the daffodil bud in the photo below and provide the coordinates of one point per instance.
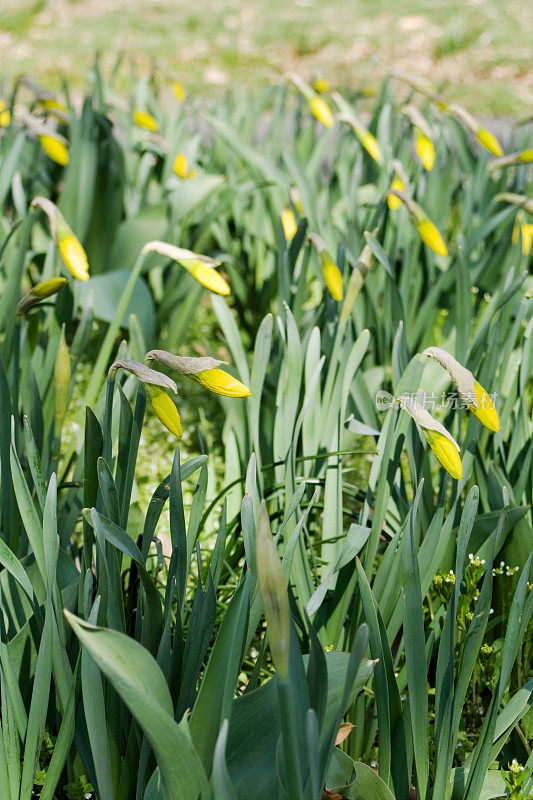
(289, 224)
(355, 284)
(512, 160)
(201, 267)
(55, 148)
(40, 292)
(321, 110)
(368, 141)
(5, 115)
(61, 381)
(180, 167)
(143, 119)
(321, 85)
(165, 409)
(273, 588)
(424, 149)
(428, 231)
(474, 395)
(440, 441)
(526, 230)
(485, 138)
(179, 91)
(204, 370)
(393, 201)
(71, 250)
(332, 276)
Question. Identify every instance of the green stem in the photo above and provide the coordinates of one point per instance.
(290, 750)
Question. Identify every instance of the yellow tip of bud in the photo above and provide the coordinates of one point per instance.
(430, 235)
(425, 149)
(446, 453)
(486, 410)
(179, 91)
(321, 110)
(54, 149)
(143, 119)
(5, 115)
(489, 142)
(74, 256)
(392, 201)
(527, 237)
(332, 276)
(209, 277)
(165, 409)
(221, 382)
(180, 165)
(526, 156)
(289, 224)
(321, 85)
(371, 146)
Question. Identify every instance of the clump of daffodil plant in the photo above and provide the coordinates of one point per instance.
(72, 252)
(439, 439)
(471, 392)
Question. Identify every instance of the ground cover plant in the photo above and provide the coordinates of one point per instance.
(331, 595)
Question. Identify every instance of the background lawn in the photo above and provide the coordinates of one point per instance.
(479, 49)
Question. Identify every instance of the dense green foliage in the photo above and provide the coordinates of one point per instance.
(338, 574)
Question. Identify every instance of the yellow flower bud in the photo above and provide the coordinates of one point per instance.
(5, 115)
(180, 165)
(527, 237)
(526, 156)
(209, 277)
(61, 381)
(332, 276)
(516, 232)
(321, 110)
(220, 382)
(425, 149)
(485, 411)
(489, 142)
(145, 120)
(179, 91)
(430, 235)
(394, 202)
(289, 224)
(321, 85)
(74, 256)
(165, 409)
(40, 292)
(55, 149)
(370, 144)
(446, 452)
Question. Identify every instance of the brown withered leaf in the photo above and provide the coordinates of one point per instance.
(344, 731)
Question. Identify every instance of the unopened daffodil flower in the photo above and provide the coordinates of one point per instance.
(72, 252)
(40, 292)
(180, 167)
(524, 231)
(201, 267)
(203, 370)
(472, 393)
(318, 106)
(5, 115)
(55, 147)
(155, 384)
(330, 271)
(367, 139)
(429, 233)
(289, 224)
(423, 136)
(440, 441)
(485, 138)
(143, 119)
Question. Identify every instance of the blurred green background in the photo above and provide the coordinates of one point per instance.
(478, 50)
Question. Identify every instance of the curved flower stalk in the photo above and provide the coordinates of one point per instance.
(202, 268)
(155, 384)
(357, 279)
(441, 442)
(516, 199)
(512, 160)
(204, 370)
(471, 392)
(399, 182)
(318, 106)
(429, 233)
(289, 224)
(40, 292)
(145, 120)
(330, 271)
(72, 252)
(485, 138)
(424, 147)
(367, 139)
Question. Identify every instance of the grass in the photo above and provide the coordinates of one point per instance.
(479, 50)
